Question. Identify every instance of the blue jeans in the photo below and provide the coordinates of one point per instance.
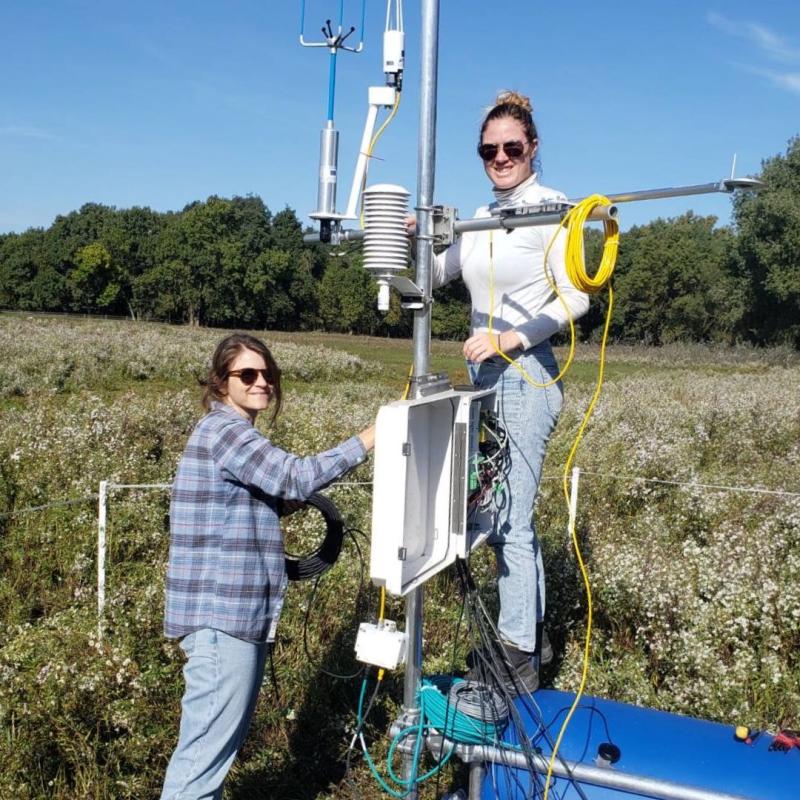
(223, 676)
(529, 415)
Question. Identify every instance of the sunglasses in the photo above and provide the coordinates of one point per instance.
(513, 149)
(249, 375)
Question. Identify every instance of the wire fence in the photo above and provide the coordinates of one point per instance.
(55, 504)
(106, 488)
(716, 487)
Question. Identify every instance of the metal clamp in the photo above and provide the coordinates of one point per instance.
(444, 220)
(430, 383)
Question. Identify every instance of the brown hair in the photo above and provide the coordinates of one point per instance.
(516, 106)
(215, 385)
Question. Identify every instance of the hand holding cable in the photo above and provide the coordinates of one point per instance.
(481, 346)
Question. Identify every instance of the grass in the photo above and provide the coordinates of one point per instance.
(697, 591)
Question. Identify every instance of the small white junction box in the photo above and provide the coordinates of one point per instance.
(425, 451)
(382, 644)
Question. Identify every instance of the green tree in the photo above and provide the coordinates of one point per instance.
(347, 297)
(130, 237)
(768, 253)
(672, 282)
(28, 280)
(451, 311)
(91, 280)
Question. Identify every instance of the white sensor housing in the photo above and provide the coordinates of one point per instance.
(381, 645)
(393, 52)
(385, 238)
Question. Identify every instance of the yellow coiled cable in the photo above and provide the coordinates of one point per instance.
(574, 222)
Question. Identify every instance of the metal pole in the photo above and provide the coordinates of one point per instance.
(606, 777)
(429, 47)
(426, 178)
(477, 771)
(101, 556)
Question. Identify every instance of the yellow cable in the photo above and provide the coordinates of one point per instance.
(574, 222)
(372, 144)
(576, 544)
(381, 610)
(576, 271)
(554, 287)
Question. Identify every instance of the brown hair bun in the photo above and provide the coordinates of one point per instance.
(507, 97)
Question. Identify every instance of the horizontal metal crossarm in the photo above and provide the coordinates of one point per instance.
(553, 217)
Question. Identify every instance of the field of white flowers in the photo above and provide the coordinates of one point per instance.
(697, 588)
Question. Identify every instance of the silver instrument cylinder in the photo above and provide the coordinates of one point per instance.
(328, 160)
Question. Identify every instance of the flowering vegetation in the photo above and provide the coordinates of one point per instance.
(697, 589)
(57, 355)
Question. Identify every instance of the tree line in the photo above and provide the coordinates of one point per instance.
(232, 263)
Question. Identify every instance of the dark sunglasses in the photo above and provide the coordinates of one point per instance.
(249, 375)
(513, 149)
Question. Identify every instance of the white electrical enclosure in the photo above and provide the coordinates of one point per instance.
(425, 455)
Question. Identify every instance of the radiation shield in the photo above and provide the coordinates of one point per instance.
(424, 475)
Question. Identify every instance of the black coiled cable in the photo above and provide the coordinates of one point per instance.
(303, 568)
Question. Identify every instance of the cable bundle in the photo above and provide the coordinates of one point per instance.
(303, 568)
(490, 466)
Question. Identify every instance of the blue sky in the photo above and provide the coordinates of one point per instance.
(162, 103)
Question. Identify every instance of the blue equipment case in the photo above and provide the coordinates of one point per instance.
(695, 757)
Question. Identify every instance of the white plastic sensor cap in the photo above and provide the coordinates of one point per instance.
(384, 296)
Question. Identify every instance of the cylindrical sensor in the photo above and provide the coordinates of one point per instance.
(328, 159)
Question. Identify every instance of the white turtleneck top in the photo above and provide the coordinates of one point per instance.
(523, 299)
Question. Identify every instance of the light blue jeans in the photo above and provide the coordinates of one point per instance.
(529, 415)
(223, 676)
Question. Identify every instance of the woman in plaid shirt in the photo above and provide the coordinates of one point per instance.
(226, 574)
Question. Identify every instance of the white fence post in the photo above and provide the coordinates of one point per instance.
(101, 556)
(573, 501)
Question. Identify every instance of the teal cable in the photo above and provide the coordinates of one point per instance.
(438, 713)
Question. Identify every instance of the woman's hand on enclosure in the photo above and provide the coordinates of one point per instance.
(482, 346)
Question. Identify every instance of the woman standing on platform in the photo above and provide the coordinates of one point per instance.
(505, 274)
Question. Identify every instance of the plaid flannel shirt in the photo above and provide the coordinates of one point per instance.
(226, 561)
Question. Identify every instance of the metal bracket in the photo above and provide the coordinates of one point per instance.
(409, 718)
(732, 184)
(444, 220)
(432, 383)
(411, 296)
(553, 207)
